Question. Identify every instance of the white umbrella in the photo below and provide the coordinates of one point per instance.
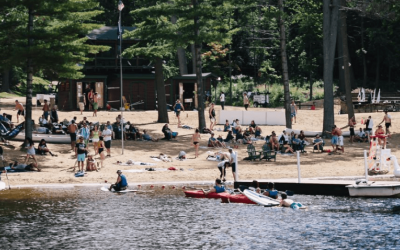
(359, 95)
(378, 98)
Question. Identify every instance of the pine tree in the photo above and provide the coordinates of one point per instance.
(54, 41)
(198, 22)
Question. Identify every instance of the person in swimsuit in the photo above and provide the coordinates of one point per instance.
(20, 108)
(196, 142)
(211, 113)
(178, 107)
(101, 146)
(218, 188)
(388, 122)
(30, 150)
(380, 133)
(121, 183)
(23, 167)
(95, 137)
(90, 98)
(72, 133)
(271, 191)
(285, 202)
(46, 110)
(95, 104)
(91, 164)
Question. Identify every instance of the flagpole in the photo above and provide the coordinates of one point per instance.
(120, 7)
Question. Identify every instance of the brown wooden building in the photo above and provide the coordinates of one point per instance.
(103, 76)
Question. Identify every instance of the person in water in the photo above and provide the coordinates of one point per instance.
(218, 188)
(285, 202)
(271, 191)
(121, 183)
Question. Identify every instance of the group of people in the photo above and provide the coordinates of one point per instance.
(89, 100)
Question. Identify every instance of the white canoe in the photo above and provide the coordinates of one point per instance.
(2, 185)
(50, 138)
(372, 189)
(311, 133)
(260, 199)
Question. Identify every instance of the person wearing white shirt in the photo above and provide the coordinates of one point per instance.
(361, 136)
(369, 125)
(222, 100)
(232, 162)
(107, 133)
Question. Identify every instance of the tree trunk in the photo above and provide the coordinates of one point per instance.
(346, 61)
(285, 67)
(28, 105)
(378, 64)
(310, 78)
(192, 48)
(363, 54)
(342, 81)
(5, 87)
(199, 73)
(330, 22)
(161, 99)
(181, 54)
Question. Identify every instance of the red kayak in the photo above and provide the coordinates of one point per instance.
(237, 198)
(200, 194)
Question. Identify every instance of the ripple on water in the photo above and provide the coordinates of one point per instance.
(94, 219)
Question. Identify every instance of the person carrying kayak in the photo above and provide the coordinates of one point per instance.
(218, 188)
(121, 183)
(285, 202)
(271, 191)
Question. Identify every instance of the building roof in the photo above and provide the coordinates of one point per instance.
(108, 33)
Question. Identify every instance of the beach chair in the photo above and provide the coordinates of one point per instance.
(267, 153)
(253, 154)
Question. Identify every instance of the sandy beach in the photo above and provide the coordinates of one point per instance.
(59, 169)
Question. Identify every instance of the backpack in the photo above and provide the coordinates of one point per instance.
(182, 155)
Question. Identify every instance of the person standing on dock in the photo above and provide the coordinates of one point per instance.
(388, 122)
(20, 108)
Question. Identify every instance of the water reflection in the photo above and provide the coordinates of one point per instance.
(91, 219)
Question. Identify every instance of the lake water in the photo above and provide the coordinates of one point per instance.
(87, 218)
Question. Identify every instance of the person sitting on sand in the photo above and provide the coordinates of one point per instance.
(213, 142)
(164, 157)
(271, 191)
(91, 164)
(43, 149)
(24, 167)
(252, 127)
(302, 137)
(239, 136)
(227, 126)
(121, 183)
(299, 143)
(285, 202)
(286, 148)
(168, 132)
(257, 132)
(361, 137)
(221, 140)
(247, 138)
(218, 188)
(147, 137)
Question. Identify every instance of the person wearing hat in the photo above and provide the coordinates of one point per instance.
(318, 143)
(121, 183)
(178, 107)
